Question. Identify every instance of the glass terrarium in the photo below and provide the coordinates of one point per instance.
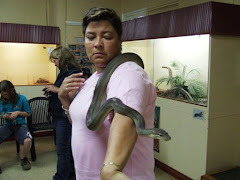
(27, 63)
(178, 66)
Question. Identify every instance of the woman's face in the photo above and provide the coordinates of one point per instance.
(5, 95)
(56, 62)
(102, 43)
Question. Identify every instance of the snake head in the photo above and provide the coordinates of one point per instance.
(160, 134)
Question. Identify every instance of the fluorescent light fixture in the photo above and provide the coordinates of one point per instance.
(73, 23)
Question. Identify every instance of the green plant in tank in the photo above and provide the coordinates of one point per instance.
(183, 84)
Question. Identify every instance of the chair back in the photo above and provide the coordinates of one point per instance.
(40, 117)
(1, 121)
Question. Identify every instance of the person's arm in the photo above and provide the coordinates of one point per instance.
(23, 111)
(122, 139)
(67, 90)
(14, 114)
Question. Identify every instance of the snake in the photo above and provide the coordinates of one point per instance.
(99, 108)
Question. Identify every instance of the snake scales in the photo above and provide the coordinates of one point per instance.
(98, 111)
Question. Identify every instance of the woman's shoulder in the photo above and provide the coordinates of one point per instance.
(22, 97)
(129, 69)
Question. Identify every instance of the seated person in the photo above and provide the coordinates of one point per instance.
(14, 108)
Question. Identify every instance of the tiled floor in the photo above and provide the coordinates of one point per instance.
(45, 165)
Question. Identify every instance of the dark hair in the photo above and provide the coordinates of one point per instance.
(65, 58)
(99, 14)
(7, 86)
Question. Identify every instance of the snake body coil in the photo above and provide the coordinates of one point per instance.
(98, 111)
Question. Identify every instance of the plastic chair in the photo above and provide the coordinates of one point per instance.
(40, 118)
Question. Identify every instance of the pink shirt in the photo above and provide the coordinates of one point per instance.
(130, 83)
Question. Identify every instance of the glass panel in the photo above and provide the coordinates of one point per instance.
(27, 64)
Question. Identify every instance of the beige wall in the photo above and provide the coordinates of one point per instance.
(57, 16)
(55, 12)
(223, 150)
(158, 6)
(203, 146)
(23, 11)
(76, 9)
(187, 150)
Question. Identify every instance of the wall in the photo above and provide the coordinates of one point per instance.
(23, 11)
(223, 151)
(158, 6)
(187, 150)
(57, 16)
(75, 11)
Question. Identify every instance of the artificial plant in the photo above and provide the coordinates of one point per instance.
(183, 84)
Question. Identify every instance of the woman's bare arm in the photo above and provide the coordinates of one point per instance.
(122, 139)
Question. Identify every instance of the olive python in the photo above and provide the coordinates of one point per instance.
(99, 109)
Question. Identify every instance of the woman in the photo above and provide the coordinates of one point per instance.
(115, 151)
(65, 61)
(15, 108)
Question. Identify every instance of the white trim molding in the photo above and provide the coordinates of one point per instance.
(134, 14)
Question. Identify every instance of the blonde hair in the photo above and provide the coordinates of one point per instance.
(65, 58)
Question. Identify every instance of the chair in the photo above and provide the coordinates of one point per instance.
(40, 118)
(33, 152)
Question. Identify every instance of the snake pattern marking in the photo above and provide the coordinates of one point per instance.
(98, 109)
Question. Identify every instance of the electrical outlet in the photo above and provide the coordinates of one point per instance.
(49, 50)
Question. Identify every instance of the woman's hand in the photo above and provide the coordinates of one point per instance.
(69, 87)
(7, 116)
(51, 88)
(67, 90)
(13, 115)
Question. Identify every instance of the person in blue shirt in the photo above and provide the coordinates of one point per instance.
(14, 108)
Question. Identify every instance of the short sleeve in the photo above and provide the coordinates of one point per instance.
(131, 84)
(25, 106)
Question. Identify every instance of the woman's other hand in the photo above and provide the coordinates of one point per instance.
(7, 116)
(50, 88)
